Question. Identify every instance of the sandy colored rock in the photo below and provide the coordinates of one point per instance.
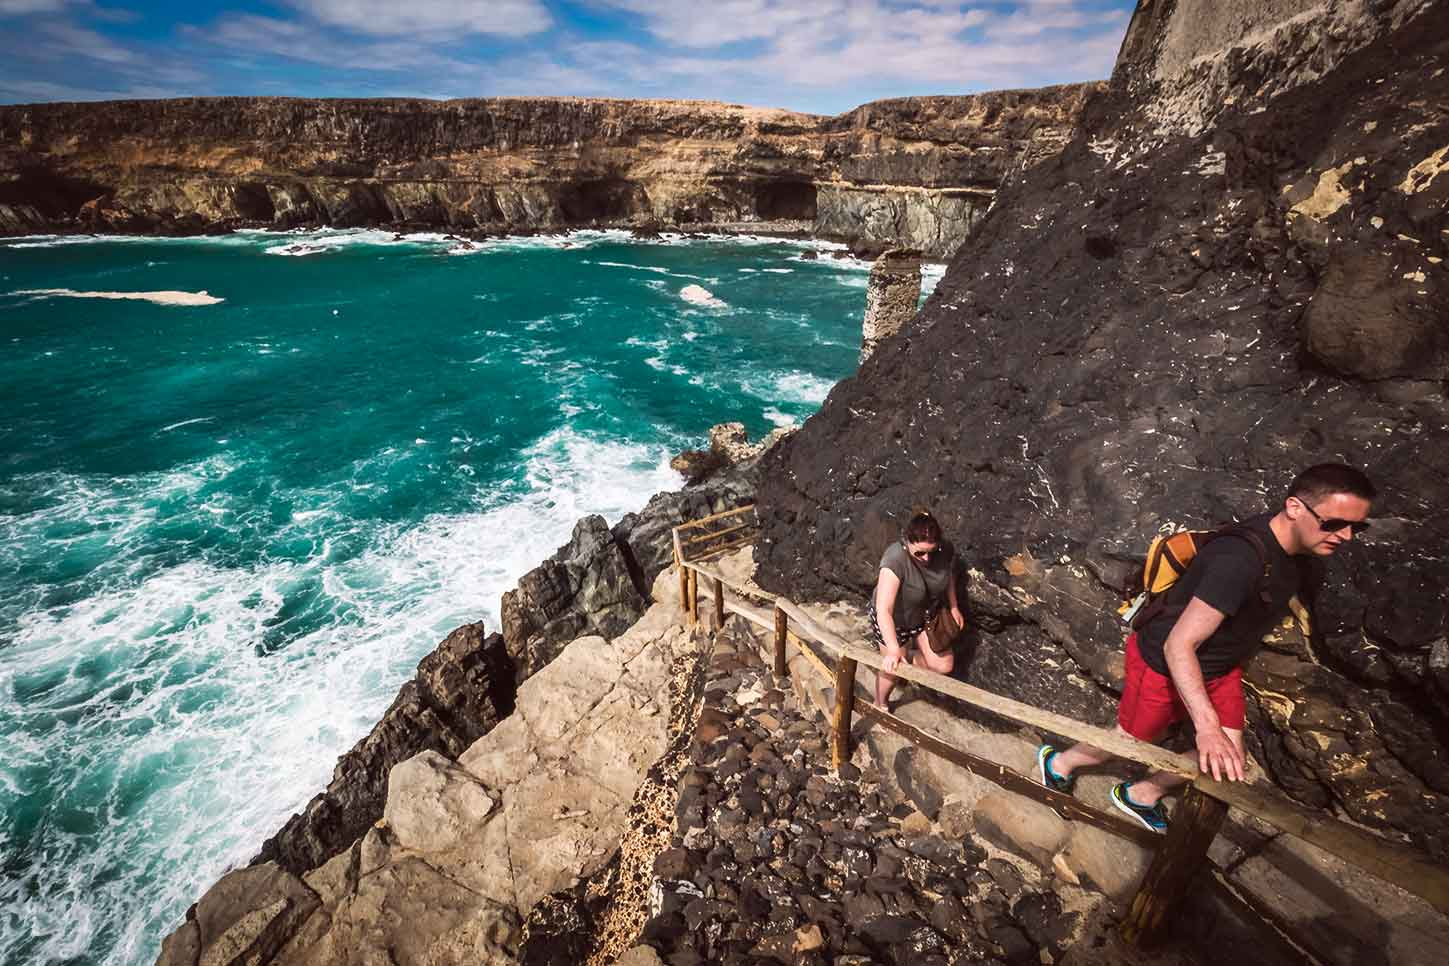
(409, 913)
(250, 913)
(1344, 916)
(1021, 825)
(335, 878)
(1103, 861)
(640, 956)
(915, 171)
(891, 296)
(182, 947)
(433, 804)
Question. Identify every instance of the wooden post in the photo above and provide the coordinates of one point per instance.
(844, 707)
(693, 605)
(683, 574)
(718, 603)
(782, 634)
(1183, 855)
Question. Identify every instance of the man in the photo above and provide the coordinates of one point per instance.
(1187, 661)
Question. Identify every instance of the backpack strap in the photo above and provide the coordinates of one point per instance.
(1265, 563)
(1156, 603)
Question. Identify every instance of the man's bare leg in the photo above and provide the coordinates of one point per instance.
(1083, 756)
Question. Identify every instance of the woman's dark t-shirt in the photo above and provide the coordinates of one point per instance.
(923, 586)
(1228, 575)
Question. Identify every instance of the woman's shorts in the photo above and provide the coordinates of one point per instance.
(906, 636)
(1150, 701)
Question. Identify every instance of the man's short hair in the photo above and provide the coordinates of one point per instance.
(1326, 479)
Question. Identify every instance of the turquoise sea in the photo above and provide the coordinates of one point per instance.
(229, 530)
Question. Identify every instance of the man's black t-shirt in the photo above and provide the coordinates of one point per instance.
(1228, 575)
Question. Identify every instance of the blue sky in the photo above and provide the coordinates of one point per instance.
(823, 56)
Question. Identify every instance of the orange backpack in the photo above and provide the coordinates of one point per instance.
(1168, 557)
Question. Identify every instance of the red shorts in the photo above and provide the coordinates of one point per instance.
(1150, 701)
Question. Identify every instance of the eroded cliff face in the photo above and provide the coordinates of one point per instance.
(1161, 325)
(914, 171)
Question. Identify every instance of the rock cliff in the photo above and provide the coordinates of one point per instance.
(1235, 269)
(914, 171)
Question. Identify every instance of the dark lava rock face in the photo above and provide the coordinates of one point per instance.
(1155, 329)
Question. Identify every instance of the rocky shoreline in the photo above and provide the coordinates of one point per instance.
(914, 171)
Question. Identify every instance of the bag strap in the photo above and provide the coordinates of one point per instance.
(1255, 540)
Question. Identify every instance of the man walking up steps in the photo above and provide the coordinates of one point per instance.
(1186, 661)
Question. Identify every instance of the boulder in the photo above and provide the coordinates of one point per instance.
(247, 916)
(1097, 859)
(409, 912)
(433, 805)
(1021, 825)
(586, 587)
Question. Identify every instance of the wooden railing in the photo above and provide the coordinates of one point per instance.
(1200, 813)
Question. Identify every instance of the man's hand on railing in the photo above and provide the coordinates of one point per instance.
(891, 657)
(1219, 756)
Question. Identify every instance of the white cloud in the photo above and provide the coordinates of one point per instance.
(908, 44)
(64, 39)
(508, 18)
(25, 8)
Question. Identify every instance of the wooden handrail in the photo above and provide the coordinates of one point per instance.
(716, 534)
(690, 524)
(1388, 860)
(1049, 721)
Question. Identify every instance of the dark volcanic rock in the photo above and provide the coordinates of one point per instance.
(462, 689)
(1162, 324)
(586, 587)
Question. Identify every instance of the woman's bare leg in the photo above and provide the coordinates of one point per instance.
(929, 659)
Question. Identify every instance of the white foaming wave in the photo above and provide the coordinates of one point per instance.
(791, 387)
(212, 729)
(302, 249)
(778, 418)
(186, 422)
(582, 239)
(699, 295)
(931, 275)
(159, 298)
(649, 268)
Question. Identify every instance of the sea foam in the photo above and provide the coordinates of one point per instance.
(159, 298)
(198, 737)
(699, 295)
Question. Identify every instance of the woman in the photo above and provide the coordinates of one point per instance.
(916, 578)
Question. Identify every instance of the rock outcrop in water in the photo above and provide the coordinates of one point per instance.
(916, 171)
(891, 297)
(1235, 269)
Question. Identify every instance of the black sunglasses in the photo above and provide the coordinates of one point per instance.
(1334, 525)
(922, 556)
